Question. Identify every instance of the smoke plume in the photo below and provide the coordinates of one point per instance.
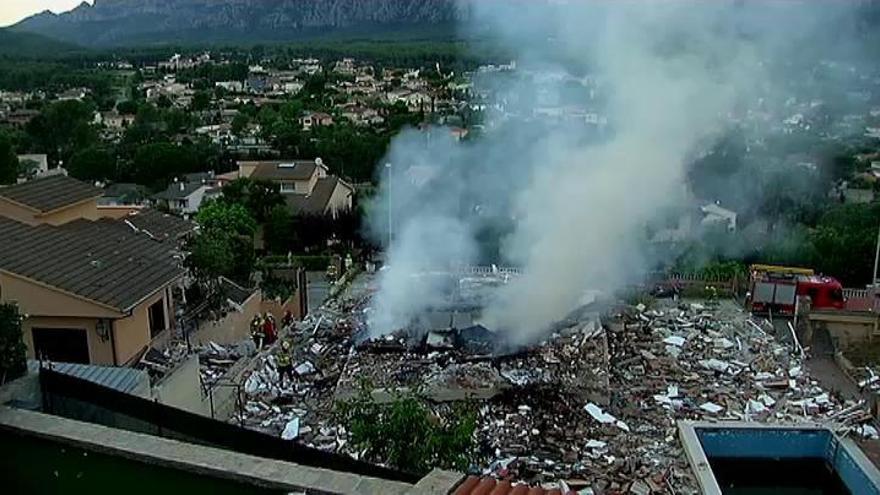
(586, 142)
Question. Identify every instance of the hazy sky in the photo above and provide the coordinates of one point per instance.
(12, 11)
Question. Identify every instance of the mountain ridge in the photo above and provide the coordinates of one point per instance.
(30, 45)
(110, 23)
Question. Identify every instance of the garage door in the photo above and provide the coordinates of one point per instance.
(65, 345)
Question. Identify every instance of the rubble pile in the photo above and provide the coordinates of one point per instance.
(594, 405)
(696, 362)
(215, 360)
(693, 361)
(159, 362)
(302, 408)
(867, 378)
(574, 360)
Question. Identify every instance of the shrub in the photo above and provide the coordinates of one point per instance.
(13, 359)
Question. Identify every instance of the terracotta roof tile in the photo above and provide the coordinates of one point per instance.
(474, 485)
(502, 488)
(520, 490)
(467, 485)
(484, 487)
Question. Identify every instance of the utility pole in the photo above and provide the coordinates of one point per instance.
(876, 259)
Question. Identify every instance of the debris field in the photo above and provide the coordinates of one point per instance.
(591, 408)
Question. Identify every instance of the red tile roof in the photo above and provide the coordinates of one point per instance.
(474, 485)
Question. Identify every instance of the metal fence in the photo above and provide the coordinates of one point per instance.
(75, 398)
(856, 293)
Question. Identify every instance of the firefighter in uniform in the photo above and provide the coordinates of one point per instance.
(257, 331)
(285, 366)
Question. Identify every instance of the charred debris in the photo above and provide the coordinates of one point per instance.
(593, 406)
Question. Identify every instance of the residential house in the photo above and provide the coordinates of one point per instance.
(20, 118)
(209, 178)
(74, 94)
(361, 115)
(345, 66)
(231, 86)
(178, 62)
(115, 120)
(257, 84)
(31, 166)
(159, 226)
(182, 197)
(307, 186)
(857, 195)
(414, 100)
(714, 214)
(124, 194)
(53, 200)
(315, 119)
(90, 291)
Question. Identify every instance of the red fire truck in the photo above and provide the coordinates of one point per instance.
(776, 289)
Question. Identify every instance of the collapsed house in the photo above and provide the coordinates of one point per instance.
(594, 406)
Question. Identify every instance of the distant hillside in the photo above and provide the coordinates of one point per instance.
(142, 22)
(30, 45)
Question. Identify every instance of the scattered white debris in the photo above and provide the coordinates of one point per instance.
(596, 444)
(601, 416)
(306, 368)
(711, 407)
(715, 365)
(675, 340)
(291, 429)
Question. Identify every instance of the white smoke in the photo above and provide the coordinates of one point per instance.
(666, 75)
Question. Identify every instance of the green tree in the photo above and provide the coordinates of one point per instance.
(8, 160)
(227, 217)
(13, 360)
(240, 123)
(280, 234)
(224, 245)
(92, 163)
(263, 197)
(127, 107)
(154, 164)
(257, 195)
(210, 255)
(62, 128)
(404, 433)
(201, 100)
(844, 242)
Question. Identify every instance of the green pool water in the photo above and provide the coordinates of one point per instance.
(36, 466)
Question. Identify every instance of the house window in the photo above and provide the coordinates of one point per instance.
(157, 317)
(288, 187)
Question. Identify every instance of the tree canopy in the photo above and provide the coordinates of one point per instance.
(13, 360)
(8, 160)
(259, 196)
(224, 245)
(404, 434)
